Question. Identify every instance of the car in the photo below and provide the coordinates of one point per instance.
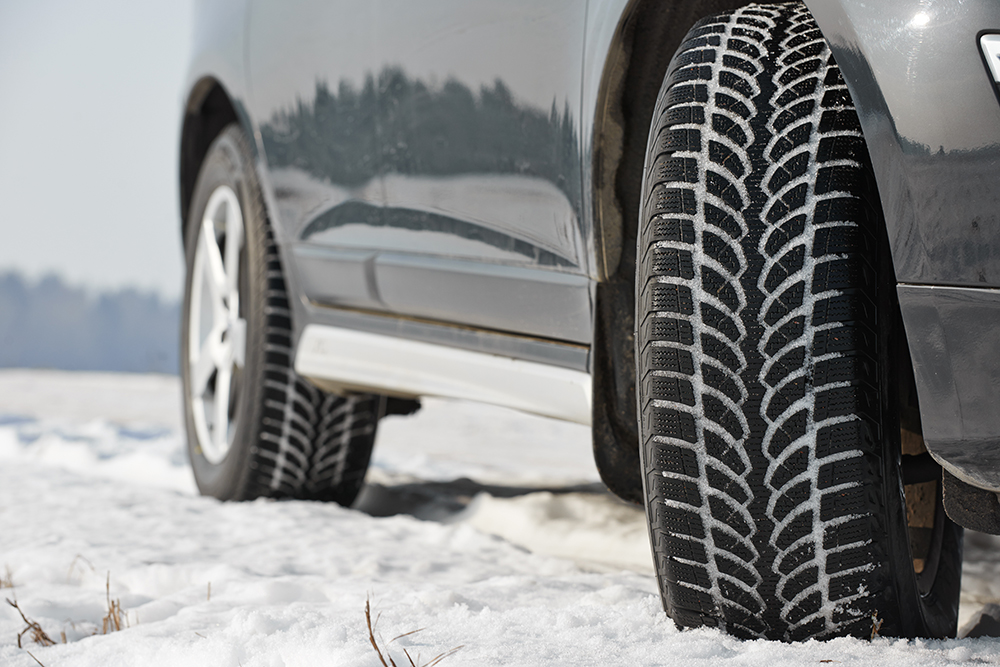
(754, 246)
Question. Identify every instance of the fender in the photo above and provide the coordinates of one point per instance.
(932, 124)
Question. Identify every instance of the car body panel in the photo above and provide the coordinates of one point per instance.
(957, 374)
(383, 142)
(932, 124)
(931, 120)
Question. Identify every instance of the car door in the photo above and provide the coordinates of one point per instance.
(479, 104)
(423, 158)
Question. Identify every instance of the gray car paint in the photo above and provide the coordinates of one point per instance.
(386, 150)
(932, 123)
(957, 375)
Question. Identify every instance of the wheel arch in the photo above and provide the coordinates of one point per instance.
(207, 111)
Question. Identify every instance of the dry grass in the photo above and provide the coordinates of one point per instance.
(37, 634)
(7, 580)
(876, 625)
(385, 657)
(73, 566)
(112, 621)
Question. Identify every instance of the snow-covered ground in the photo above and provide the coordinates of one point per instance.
(481, 527)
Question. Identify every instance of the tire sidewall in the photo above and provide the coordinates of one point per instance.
(228, 163)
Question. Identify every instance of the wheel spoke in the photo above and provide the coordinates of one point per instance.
(220, 434)
(205, 364)
(234, 242)
(238, 341)
(214, 266)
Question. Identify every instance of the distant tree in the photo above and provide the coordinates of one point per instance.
(52, 325)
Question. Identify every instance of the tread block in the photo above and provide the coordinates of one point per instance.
(719, 413)
(686, 95)
(841, 438)
(678, 490)
(790, 169)
(679, 547)
(790, 115)
(837, 179)
(721, 287)
(789, 560)
(671, 201)
(688, 573)
(788, 333)
(734, 106)
(794, 138)
(670, 330)
(670, 169)
(798, 527)
(681, 522)
(792, 428)
(845, 369)
(671, 389)
(792, 499)
(795, 464)
(684, 116)
(839, 120)
(790, 229)
(844, 339)
(735, 548)
(718, 479)
(696, 57)
(672, 262)
(725, 452)
(789, 263)
(850, 532)
(730, 129)
(852, 500)
(722, 220)
(676, 459)
(669, 298)
(671, 424)
(726, 158)
(723, 188)
(678, 230)
(737, 570)
(721, 251)
(719, 350)
(663, 358)
(722, 322)
(722, 382)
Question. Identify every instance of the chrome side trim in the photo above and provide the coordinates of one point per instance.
(351, 359)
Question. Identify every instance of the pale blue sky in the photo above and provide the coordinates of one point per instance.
(90, 107)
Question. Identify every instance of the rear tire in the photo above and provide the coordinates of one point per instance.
(254, 426)
(767, 389)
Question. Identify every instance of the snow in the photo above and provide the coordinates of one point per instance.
(483, 527)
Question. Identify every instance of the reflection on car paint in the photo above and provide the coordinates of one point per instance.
(347, 217)
(398, 133)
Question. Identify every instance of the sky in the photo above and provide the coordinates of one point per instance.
(90, 112)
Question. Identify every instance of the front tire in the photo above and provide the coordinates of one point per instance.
(254, 426)
(769, 415)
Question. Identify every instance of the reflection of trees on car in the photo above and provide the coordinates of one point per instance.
(397, 124)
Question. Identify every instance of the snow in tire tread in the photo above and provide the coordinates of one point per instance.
(749, 267)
